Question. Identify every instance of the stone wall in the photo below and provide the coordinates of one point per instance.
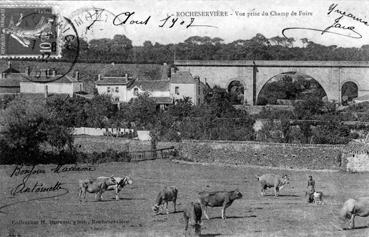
(90, 144)
(356, 156)
(263, 154)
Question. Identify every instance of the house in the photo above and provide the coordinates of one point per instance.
(10, 80)
(47, 82)
(158, 89)
(182, 84)
(116, 87)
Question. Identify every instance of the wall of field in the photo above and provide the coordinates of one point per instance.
(283, 155)
(90, 144)
(263, 154)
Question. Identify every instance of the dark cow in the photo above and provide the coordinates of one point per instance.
(192, 214)
(352, 208)
(97, 186)
(218, 199)
(168, 194)
(272, 180)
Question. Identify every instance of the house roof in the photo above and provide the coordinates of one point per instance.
(12, 80)
(11, 70)
(112, 81)
(182, 77)
(56, 79)
(152, 85)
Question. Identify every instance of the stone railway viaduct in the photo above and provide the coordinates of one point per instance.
(253, 75)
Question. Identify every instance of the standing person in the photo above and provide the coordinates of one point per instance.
(310, 189)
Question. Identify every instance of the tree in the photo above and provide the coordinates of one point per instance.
(25, 126)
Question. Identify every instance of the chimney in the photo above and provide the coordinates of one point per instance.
(27, 71)
(77, 75)
(99, 77)
(53, 72)
(47, 72)
(3, 75)
(172, 71)
(126, 76)
(9, 64)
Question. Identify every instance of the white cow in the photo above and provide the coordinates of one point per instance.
(352, 208)
(119, 185)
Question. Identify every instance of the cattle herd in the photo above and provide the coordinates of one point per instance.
(192, 212)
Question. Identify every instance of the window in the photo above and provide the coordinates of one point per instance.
(135, 92)
(176, 90)
(116, 89)
(108, 89)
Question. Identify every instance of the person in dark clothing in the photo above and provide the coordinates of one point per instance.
(310, 189)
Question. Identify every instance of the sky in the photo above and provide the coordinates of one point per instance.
(309, 14)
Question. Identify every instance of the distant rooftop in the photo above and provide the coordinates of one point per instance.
(152, 85)
(182, 77)
(112, 81)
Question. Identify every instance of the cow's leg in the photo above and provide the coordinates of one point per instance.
(205, 208)
(263, 190)
(352, 221)
(175, 205)
(186, 219)
(116, 193)
(223, 213)
(166, 207)
(276, 191)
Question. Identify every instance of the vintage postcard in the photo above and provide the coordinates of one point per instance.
(184, 118)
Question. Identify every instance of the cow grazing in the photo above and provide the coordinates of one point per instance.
(352, 208)
(218, 199)
(168, 194)
(120, 184)
(97, 186)
(272, 180)
(192, 215)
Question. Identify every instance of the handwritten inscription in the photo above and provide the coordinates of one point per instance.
(39, 187)
(344, 30)
(69, 168)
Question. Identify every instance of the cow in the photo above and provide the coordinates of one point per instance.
(352, 208)
(168, 194)
(218, 199)
(192, 214)
(120, 184)
(272, 180)
(97, 186)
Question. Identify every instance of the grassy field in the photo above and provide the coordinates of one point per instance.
(287, 215)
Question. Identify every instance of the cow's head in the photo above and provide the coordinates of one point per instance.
(126, 180)
(285, 179)
(236, 194)
(156, 209)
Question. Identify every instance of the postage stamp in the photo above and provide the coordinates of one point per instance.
(28, 31)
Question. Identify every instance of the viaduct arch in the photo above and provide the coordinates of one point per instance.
(253, 75)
